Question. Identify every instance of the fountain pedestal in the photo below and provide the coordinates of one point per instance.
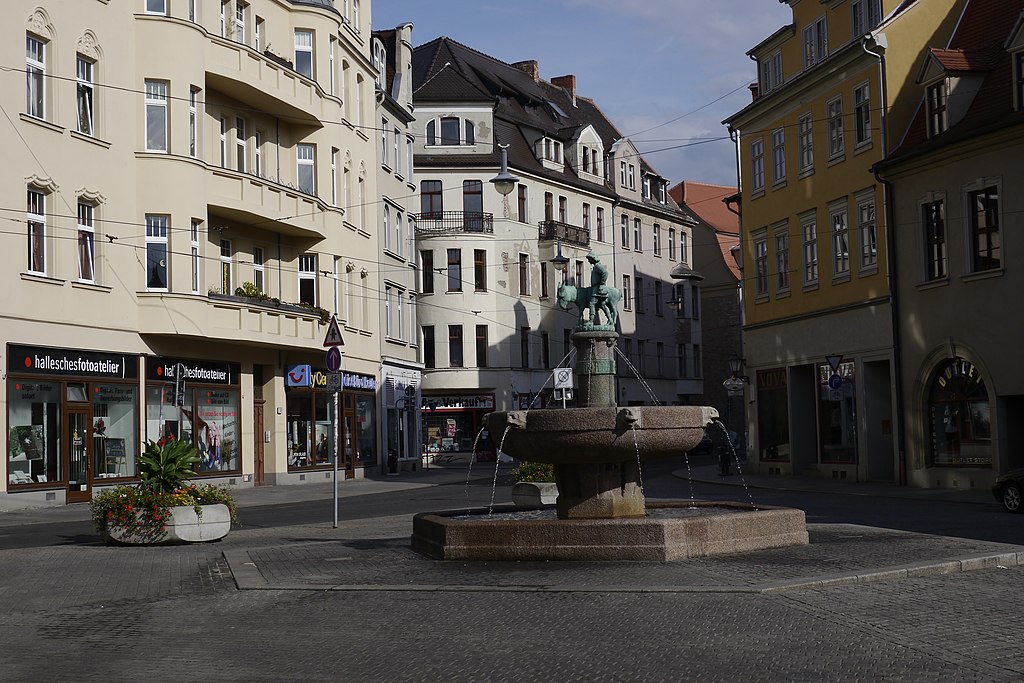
(599, 491)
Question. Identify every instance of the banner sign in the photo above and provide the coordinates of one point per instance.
(162, 369)
(36, 360)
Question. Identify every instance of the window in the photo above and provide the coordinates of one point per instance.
(578, 280)
(379, 58)
(240, 141)
(193, 10)
(625, 231)
(257, 154)
(761, 265)
(481, 346)
(586, 217)
(524, 204)
(258, 261)
(935, 97)
(156, 116)
(193, 123)
(808, 229)
(840, 243)
(815, 42)
(454, 270)
(637, 237)
(627, 293)
(386, 217)
(86, 242)
(224, 18)
(959, 416)
(524, 274)
(549, 206)
(862, 114)
(934, 219)
(545, 350)
(396, 148)
(304, 53)
(334, 176)
(551, 150)
(35, 72)
(682, 367)
(86, 92)
(757, 164)
(480, 270)
(983, 213)
(428, 346)
(384, 123)
(641, 356)
(224, 142)
(156, 252)
(645, 187)
(671, 244)
(779, 155)
(156, 6)
(257, 35)
(659, 350)
(195, 257)
(782, 261)
(658, 299)
(656, 236)
(307, 279)
(427, 270)
(868, 236)
(399, 224)
(600, 224)
(684, 247)
(771, 72)
(563, 209)
(226, 258)
(36, 221)
(544, 293)
(694, 302)
(410, 146)
(430, 199)
(524, 346)
(866, 15)
(834, 116)
(632, 177)
(306, 167)
(473, 205)
(805, 139)
(622, 174)
(241, 9)
(455, 346)
(454, 131)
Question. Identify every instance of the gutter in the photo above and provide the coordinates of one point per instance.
(870, 42)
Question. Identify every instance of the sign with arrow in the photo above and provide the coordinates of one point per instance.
(333, 337)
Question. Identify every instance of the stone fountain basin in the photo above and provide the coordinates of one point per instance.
(599, 435)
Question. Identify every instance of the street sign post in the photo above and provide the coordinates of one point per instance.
(334, 360)
(563, 383)
(835, 382)
(333, 337)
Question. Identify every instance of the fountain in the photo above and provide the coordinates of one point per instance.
(598, 451)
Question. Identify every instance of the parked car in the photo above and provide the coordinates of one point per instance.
(1009, 490)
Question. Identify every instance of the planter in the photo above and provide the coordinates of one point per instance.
(184, 526)
(534, 494)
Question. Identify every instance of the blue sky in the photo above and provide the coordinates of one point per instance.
(644, 62)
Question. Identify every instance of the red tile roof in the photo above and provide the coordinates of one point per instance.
(706, 202)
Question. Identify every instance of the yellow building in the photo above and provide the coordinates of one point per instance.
(832, 88)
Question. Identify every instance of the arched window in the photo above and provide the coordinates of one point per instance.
(379, 59)
(431, 132)
(958, 415)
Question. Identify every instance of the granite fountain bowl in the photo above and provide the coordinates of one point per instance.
(599, 435)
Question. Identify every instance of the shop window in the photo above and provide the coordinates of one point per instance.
(366, 430)
(208, 420)
(837, 415)
(34, 419)
(309, 428)
(114, 430)
(773, 415)
(959, 416)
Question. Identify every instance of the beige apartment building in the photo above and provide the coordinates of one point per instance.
(189, 191)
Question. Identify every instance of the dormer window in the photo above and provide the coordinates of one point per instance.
(379, 60)
(646, 191)
(551, 150)
(590, 161)
(661, 191)
(938, 118)
(454, 131)
(815, 42)
(771, 72)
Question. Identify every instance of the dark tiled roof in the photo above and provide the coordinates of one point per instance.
(976, 46)
(445, 70)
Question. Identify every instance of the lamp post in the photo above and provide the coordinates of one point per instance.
(504, 182)
(559, 261)
(734, 386)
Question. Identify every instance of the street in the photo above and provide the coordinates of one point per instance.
(72, 607)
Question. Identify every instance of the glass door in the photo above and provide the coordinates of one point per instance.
(77, 453)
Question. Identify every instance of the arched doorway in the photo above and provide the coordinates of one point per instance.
(959, 416)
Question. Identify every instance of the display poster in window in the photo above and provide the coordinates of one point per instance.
(217, 430)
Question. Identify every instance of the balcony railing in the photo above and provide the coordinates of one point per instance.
(571, 234)
(454, 222)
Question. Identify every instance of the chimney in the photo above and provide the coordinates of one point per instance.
(755, 91)
(568, 83)
(531, 67)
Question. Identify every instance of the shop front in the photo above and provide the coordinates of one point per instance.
(203, 409)
(311, 416)
(72, 420)
(451, 424)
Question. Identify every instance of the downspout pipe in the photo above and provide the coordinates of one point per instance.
(734, 135)
(875, 45)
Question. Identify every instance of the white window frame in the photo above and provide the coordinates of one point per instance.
(778, 156)
(384, 125)
(224, 142)
(399, 226)
(307, 272)
(193, 122)
(157, 228)
(194, 245)
(304, 45)
(627, 293)
(760, 241)
(809, 249)
(656, 236)
(386, 229)
(156, 111)
(86, 241)
(305, 158)
(815, 42)
(671, 244)
(781, 237)
(86, 95)
(257, 154)
(35, 76)
(156, 7)
(524, 269)
(839, 229)
(805, 137)
(862, 115)
(397, 146)
(868, 232)
(193, 10)
(240, 145)
(227, 262)
(632, 177)
(834, 119)
(334, 175)
(36, 230)
(937, 104)
(684, 246)
(757, 165)
(241, 9)
(259, 269)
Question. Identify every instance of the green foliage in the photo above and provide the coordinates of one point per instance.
(166, 464)
(534, 472)
(250, 290)
(145, 512)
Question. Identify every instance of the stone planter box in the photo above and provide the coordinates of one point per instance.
(184, 526)
(534, 494)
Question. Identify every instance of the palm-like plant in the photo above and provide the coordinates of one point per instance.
(164, 466)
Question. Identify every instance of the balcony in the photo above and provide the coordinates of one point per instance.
(570, 234)
(454, 223)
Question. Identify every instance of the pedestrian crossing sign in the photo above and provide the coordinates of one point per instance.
(333, 337)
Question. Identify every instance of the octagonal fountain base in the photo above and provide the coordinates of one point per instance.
(673, 530)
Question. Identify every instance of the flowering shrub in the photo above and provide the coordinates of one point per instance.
(144, 512)
(534, 472)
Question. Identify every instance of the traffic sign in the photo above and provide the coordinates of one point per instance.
(734, 384)
(835, 382)
(334, 381)
(334, 359)
(333, 337)
(833, 361)
(563, 378)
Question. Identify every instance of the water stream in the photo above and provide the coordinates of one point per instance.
(724, 432)
(639, 465)
(643, 382)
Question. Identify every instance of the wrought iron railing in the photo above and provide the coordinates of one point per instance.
(453, 222)
(571, 234)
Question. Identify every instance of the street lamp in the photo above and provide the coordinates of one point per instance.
(559, 261)
(735, 365)
(504, 182)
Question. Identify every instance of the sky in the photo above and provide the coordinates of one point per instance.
(666, 72)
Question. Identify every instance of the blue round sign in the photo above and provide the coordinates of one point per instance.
(835, 382)
(333, 359)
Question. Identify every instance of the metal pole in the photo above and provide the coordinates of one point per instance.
(333, 405)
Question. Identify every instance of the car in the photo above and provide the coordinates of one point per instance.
(1009, 490)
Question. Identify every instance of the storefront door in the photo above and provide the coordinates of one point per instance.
(77, 454)
(349, 436)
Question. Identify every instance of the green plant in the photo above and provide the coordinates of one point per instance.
(144, 513)
(166, 464)
(534, 472)
(250, 290)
